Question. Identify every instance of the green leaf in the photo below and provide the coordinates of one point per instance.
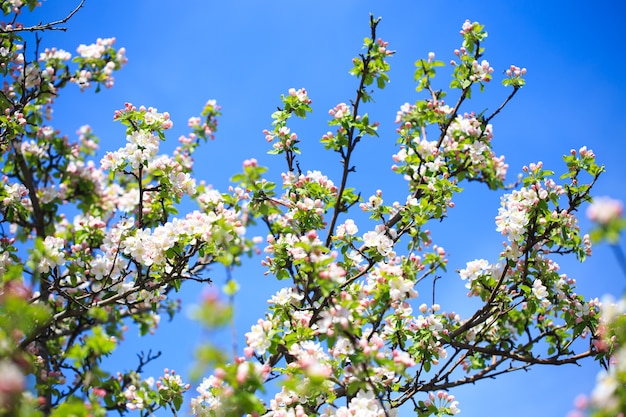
(72, 408)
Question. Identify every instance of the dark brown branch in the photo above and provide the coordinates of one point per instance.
(352, 140)
(46, 26)
(499, 109)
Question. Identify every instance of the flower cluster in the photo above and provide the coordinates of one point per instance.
(206, 404)
(441, 402)
(465, 147)
(606, 399)
(169, 389)
(381, 239)
(99, 55)
(520, 207)
(141, 148)
(258, 338)
(515, 76)
(477, 268)
(296, 102)
(363, 404)
(604, 210)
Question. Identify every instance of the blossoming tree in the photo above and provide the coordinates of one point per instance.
(90, 246)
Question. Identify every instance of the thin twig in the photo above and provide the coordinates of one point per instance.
(46, 26)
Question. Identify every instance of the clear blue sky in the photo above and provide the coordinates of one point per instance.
(246, 53)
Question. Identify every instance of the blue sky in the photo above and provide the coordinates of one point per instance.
(245, 54)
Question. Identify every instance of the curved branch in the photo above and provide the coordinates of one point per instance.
(352, 140)
(46, 26)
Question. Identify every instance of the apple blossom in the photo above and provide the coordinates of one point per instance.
(604, 210)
